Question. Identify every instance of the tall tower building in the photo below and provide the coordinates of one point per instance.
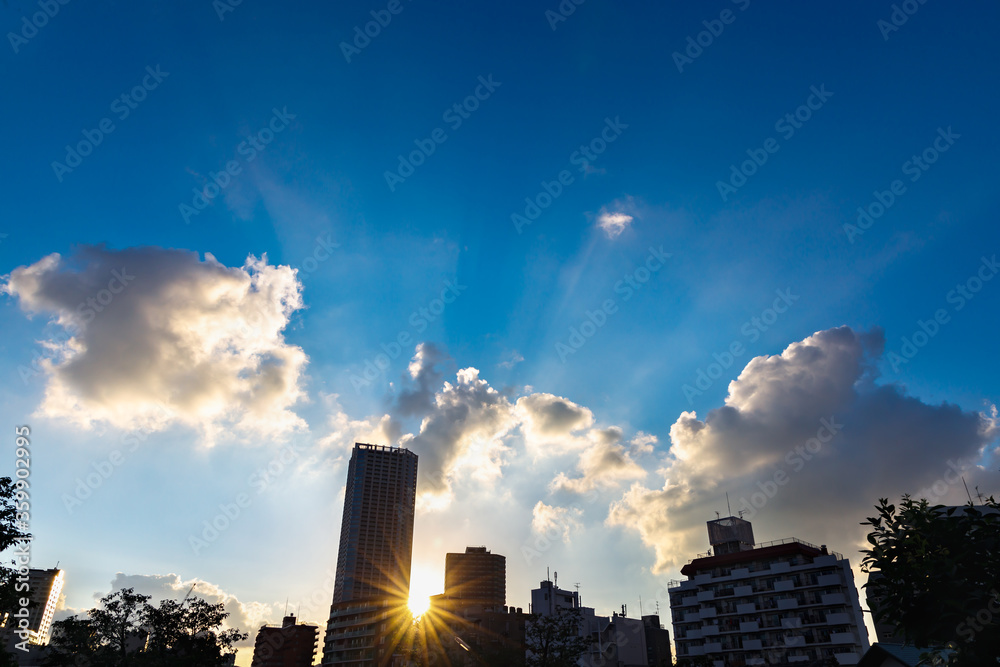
(372, 583)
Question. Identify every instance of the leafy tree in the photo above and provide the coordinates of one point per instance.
(939, 577)
(11, 534)
(126, 630)
(117, 621)
(554, 640)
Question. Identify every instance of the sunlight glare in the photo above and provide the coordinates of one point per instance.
(419, 604)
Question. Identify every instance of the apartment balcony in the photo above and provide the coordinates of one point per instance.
(838, 618)
(834, 598)
(709, 630)
(714, 647)
(743, 591)
(828, 580)
(752, 645)
(791, 623)
(746, 608)
(792, 642)
(749, 626)
(708, 612)
(740, 573)
(780, 567)
(843, 638)
(692, 616)
(784, 585)
(704, 596)
(788, 603)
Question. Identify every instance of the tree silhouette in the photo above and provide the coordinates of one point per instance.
(939, 577)
(126, 630)
(11, 534)
(554, 640)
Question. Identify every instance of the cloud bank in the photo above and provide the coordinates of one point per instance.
(152, 336)
(805, 444)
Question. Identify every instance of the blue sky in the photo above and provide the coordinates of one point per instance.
(318, 191)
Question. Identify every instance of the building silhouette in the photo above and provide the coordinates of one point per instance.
(472, 613)
(44, 587)
(658, 653)
(613, 640)
(784, 602)
(476, 577)
(291, 645)
(372, 583)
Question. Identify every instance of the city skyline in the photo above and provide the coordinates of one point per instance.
(599, 267)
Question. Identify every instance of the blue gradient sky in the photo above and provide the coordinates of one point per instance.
(323, 176)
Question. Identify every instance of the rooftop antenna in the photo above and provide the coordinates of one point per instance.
(657, 607)
(640, 606)
(979, 495)
(548, 575)
(967, 489)
(728, 505)
(556, 582)
(717, 515)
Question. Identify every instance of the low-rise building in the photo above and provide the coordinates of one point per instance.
(782, 602)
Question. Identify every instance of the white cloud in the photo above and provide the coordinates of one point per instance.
(555, 522)
(814, 417)
(156, 335)
(614, 224)
(514, 359)
(606, 463)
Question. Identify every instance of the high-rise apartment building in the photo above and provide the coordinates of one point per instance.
(778, 603)
(372, 582)
(476, 577)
